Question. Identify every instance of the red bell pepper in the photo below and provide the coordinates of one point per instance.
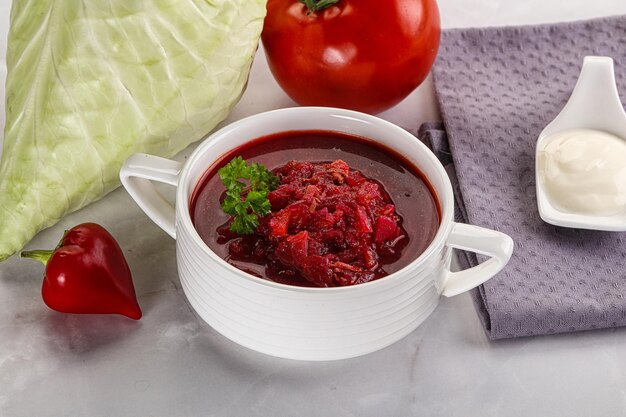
(87, 273)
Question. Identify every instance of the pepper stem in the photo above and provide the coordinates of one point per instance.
(42, 256)
(317, 5)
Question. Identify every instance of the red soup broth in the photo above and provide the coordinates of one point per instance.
(409, 190)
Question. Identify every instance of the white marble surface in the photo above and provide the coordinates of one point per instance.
(171, 364)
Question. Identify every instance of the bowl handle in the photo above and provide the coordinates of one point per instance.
(136, 176)
(479, 240)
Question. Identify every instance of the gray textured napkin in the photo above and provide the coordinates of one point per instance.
(497, 89)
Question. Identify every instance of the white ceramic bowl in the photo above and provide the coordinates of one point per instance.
(311, 323)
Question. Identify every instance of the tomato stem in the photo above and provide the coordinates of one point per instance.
(317, 5)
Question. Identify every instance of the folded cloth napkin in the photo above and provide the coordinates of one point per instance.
(497, 89)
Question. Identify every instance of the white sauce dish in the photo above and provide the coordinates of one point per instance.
(580, 167)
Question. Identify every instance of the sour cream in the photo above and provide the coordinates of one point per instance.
(584, 171)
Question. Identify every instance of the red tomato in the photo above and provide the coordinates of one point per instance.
(364, 55)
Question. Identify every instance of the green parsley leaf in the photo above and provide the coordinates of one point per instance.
(246, 201)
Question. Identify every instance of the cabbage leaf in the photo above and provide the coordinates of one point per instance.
(90, 83)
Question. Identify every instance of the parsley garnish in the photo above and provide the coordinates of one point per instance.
(246, 202)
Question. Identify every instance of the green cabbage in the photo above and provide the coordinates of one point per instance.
(90, 83)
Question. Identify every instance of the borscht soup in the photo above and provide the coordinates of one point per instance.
(335, 210)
